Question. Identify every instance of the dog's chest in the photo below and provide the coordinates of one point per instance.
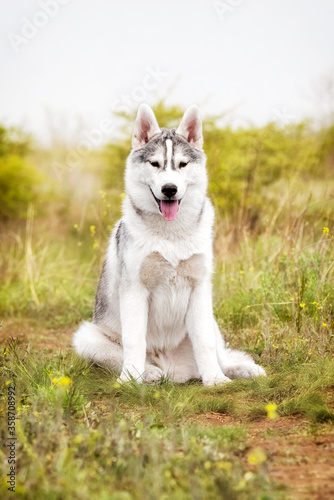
(170, 289)
(156, 270)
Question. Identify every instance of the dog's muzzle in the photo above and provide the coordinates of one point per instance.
(168, 208)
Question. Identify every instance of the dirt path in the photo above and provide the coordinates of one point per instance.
(39, 338)
(302, 461)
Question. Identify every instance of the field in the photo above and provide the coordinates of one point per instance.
(80, 434)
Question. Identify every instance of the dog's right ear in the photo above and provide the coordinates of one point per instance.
(146, 126)
(191, 127)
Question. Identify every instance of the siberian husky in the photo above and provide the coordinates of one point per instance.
(153, 315)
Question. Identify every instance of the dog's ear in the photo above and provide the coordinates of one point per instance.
(191, 127)
(146, 126)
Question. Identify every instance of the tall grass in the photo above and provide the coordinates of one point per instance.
(272, 253)
(273, 194)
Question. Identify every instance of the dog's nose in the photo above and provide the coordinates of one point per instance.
(169, 190)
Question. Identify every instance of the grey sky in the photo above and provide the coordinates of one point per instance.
(263, 59)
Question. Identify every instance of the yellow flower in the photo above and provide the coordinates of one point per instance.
(156, 395)
(75, 226)
(302, 305)
(122, 195)
(324, 324)
(116, 385)
(78, 439)
(224, 465)
(8, 382)
(257, 457)
(6, 351)
(92, 230)
(62, 381)
(325, 230)
(271, 411)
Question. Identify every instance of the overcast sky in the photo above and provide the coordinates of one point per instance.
(74, 63)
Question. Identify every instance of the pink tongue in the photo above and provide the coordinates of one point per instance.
(169, 209)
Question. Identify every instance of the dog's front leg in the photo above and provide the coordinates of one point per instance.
(201, 333)
(134, 311)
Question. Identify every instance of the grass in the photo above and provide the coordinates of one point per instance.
(273, 298)
(82, 435)
(95, 438)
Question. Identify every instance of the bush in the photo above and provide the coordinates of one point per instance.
(14, 141)
(19, 186)
(20, 182)
(242, 164)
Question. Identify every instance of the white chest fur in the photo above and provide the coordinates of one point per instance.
(170, 289)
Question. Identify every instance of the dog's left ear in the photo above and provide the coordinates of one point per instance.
(191, 127)
(146, 126)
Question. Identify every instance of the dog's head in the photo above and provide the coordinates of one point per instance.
(166, 167)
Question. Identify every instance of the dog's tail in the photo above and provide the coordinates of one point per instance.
(235, 364)
(92, 343)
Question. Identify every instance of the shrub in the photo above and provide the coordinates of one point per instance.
(243, 164)
(20, 185)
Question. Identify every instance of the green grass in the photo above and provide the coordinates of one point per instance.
(273, 297)
(98, 439)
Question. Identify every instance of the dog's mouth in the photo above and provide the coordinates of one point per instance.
(168, 208)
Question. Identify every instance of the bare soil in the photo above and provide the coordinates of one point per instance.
(31, 333)
(302, 461)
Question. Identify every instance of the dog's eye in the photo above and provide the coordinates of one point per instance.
(154, 163)
(183, 164)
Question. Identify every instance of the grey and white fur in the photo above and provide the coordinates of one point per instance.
(153, 313)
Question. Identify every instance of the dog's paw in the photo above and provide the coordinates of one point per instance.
(244, 370)
(220, 378)
(152, 375)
